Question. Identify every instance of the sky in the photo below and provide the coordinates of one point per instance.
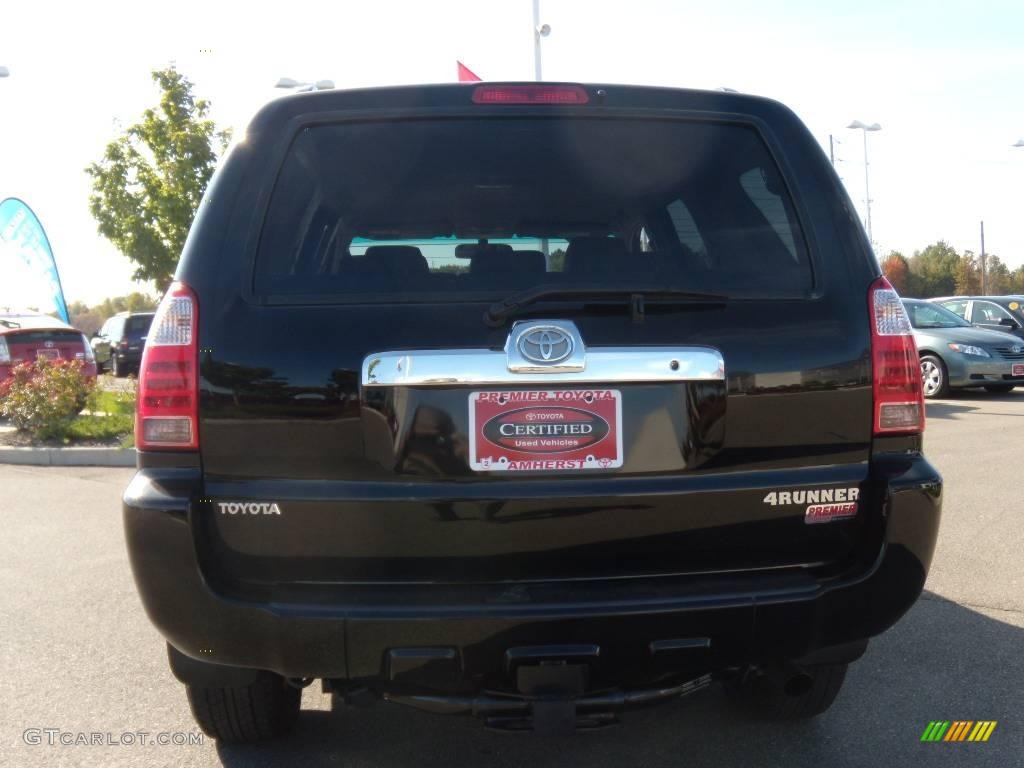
(945, 80)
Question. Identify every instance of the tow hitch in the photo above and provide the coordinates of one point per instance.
(547, 712)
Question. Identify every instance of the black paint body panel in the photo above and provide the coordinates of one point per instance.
(387, 539)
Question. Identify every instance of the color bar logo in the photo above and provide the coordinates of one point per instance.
(958, 730)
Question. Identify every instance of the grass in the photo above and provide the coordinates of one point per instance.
(111, 414)
(108, 401)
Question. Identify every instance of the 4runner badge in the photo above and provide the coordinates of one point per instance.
(248, 508)
(823, 504)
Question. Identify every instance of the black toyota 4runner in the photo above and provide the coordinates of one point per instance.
(534, 402)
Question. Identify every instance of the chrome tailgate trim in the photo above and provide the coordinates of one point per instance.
(447, 367)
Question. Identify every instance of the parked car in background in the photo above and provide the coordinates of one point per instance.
(27, 336)
(996, 313)
(956, 354)
(118, 344)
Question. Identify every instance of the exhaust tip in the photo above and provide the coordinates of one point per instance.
(798, 684)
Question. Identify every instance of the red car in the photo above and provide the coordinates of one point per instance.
(26, 337)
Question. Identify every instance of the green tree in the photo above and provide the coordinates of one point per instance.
(934, 269)
(997, 276)
(84, 318)
(139, 302)
(968, 275)
(1016, 286)
(151, 180)
(89, 319)
(556, 260)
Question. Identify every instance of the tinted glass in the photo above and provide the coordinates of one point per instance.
(137, 325)
(686, 228)
(989, 313)
(377, 210)
(58, 336)
(925, 315)
(755, 183)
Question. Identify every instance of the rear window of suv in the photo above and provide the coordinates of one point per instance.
(138, 324)
(414, 209)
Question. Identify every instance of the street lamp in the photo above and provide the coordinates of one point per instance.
(319, 85)
(539, 31)
(858, 125)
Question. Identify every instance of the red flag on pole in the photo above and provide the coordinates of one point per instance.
(466, 75)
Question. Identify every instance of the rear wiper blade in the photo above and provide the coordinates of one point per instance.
(498, 312)
(10, 323)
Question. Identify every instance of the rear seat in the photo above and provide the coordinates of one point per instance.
(401, 262)
(532, 262)
(383, 268)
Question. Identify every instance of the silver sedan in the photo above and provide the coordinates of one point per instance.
(955, 354)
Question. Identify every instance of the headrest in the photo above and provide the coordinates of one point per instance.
(494, 259)
(406, 260)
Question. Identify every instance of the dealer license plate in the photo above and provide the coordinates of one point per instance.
(545, 430)
(1018, 369)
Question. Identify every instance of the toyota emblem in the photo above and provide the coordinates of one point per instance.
(48, 344)
(546, 345)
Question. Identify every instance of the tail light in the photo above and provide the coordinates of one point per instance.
(86, 352)
(530, 94)
(167, 412)
(896, 369)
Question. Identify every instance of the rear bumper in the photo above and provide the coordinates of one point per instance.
(127, 356)
(466, 637)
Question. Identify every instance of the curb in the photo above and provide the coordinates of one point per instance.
(69, 457)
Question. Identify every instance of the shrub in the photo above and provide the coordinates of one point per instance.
(45, 397)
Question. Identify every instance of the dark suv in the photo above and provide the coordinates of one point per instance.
(118, 344)
(531, 402)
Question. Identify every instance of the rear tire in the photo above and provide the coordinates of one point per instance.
(999, 388)
(115, 369)
(263, 710)
(766, 697)
(934, 376)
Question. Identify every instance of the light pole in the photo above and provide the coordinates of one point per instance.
(539, 31)
(319, 85)
(857, 124)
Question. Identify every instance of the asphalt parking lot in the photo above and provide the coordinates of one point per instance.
(79, 655)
